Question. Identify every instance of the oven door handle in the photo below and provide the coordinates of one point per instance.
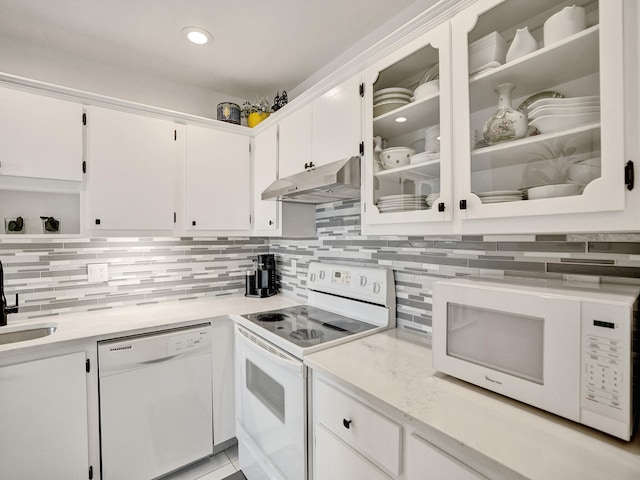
(271, 353)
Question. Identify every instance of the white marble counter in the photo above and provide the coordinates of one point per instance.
(101, 324)
(394, 367)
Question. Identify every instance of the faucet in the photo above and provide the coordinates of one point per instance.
(6, 309)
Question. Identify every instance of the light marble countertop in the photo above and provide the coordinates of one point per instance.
(101, 324)
(394, 367)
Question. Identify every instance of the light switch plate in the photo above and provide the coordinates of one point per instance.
(97, 272)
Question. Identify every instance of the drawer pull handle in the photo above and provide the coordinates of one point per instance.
(346, 423)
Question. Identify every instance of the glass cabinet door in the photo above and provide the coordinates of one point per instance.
(538, 108)
(408, 134)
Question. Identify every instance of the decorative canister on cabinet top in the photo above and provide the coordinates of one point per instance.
(229, 112)
(507, 123)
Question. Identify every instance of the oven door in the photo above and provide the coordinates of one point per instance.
(270, 407)
(525, 345)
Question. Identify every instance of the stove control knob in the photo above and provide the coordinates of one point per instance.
(376, 287)
(321, 274)
(363, 280)
(312, 277)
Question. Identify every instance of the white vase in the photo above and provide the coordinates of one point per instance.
(523, 44)
(507, 123)
(567, 22)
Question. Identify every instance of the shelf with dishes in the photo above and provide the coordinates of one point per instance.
(569, 59)
(429, 169)
(583, 138)
(417, 113)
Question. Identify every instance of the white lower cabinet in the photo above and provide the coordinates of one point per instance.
(335, 460)
(425, 460)
(352, 439)
(43, 414)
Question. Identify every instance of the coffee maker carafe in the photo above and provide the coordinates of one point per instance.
(261, 281)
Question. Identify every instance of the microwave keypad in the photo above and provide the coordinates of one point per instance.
(604, 380)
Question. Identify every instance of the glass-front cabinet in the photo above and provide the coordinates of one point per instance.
(540, 100)
(408, 130)
(517, 119)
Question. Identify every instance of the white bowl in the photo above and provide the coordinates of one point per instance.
(557, 123)
(427, 89)
(396, 156)
(582, 173)
(551, 191)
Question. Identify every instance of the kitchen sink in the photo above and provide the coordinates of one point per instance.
(24, 333)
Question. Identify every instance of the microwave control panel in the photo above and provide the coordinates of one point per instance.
(606, 355)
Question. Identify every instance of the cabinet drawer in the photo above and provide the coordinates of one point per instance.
(366, 430)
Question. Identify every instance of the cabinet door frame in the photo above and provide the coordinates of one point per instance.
(603, 204)
(418, 222)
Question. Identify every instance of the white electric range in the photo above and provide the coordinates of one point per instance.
(344, 303)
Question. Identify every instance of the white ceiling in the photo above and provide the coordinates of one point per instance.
(259, 46)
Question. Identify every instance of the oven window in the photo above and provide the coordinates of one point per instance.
(507, 342)
(266, 389)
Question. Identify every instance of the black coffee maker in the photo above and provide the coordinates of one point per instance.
(261, 281)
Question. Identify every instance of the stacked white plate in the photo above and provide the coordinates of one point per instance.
(432, 139)
(432, 198)
(558, 190)
(389, 99)
(556, 114)
(500, 196)
(401, 203)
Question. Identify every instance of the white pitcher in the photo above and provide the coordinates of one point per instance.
(567, 22)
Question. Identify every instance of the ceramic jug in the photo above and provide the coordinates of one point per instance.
(567, 22)
(523, 44)
(507, 123)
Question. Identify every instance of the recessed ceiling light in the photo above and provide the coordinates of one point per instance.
(401, 119)
(197, 35)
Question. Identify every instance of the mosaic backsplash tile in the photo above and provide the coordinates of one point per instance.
(51, 274)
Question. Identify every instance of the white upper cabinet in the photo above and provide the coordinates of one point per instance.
(561, 70)
(337, 123)
(132, 167)
(265, 171)
(324, 131)
(218, 186)
(539, 133)
(40, 136)
(408, 158)
(295, 142)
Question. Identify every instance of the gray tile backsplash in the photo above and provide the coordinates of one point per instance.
(51, 274)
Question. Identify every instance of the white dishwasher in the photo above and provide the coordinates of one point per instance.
(155, 402)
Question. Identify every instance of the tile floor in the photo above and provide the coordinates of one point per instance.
(217, 467)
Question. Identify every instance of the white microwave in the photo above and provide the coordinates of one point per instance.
(565, 348)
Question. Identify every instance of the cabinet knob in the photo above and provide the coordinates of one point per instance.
(308, 165)
(463, 204)
(270, 222)
(441, 207)
(346, 423)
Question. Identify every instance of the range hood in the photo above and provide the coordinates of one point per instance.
(327, 183)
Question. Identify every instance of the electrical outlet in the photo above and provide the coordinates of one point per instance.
(97, 272)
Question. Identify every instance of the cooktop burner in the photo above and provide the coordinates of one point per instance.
(305, 325)
(271, 317)
(307, 334)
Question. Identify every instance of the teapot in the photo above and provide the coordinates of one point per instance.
(567, 22)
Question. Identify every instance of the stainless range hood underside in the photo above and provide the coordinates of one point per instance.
(328, 183)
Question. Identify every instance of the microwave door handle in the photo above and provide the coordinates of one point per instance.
(287, 362)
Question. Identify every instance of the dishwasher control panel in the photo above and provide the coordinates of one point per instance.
(186, 341)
